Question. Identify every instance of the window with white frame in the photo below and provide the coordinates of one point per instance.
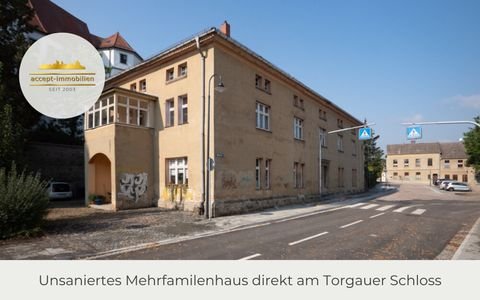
(298, 128)
(101, 113)
(323, 137)
(460, 163)
(417, 162)
(258, 173)
(123, 58)
(182, 70)
(268, 164)
(267, 86)
(446, 164)
(406, 163)
(263, 116)
(169, 75)
(177, 171)
(182, 109)
(143, 85)
(395, 163)
(258, 81)
(340, 143)
(132, 111)
(169, 113)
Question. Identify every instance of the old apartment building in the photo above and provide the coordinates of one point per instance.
(143, 138)
(427, 162)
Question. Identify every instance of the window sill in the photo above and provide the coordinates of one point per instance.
(185, 123)
(299, 107)
(263, 90)
(341, 151)
(264, 130)
(299, 140)
(175, 79)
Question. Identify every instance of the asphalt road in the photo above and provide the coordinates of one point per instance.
(415, 223)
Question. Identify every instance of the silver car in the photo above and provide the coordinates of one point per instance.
(458, 186)
(443, 184)
(59, 190)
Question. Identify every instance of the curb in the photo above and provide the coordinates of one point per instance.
(468, 249)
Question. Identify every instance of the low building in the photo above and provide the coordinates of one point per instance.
(426, 162)
(144, 141)
(49, 18)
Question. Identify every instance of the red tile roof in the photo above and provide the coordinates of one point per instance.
(51, 18)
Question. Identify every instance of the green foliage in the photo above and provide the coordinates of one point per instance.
(471, 141)
(11, 138)
(374, 161)
(23, 202)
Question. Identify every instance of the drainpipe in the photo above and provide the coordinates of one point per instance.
(202, 205)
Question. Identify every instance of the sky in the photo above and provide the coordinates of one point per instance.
(386, 61)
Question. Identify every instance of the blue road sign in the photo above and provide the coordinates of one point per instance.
(414, 132)
(365, 133)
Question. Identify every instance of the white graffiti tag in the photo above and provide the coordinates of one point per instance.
(133, 185)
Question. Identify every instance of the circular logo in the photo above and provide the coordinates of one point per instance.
(62, 75)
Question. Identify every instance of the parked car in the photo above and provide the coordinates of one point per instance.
(59, 191)
(458, 186)
(444, 184)
(438, 181)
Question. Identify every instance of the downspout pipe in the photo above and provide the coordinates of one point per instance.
(202, 204)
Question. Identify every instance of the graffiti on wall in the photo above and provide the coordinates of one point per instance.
(133, 185)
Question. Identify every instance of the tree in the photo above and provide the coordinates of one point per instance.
(17, 114)
(471, 141)
(374, 161)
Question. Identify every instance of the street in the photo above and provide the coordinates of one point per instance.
(417, 222)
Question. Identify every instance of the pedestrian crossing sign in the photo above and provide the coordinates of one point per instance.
(365, 133)
(414, 132)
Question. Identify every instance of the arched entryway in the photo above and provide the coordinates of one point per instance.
(99, 176)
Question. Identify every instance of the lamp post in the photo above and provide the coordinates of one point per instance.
(210, 162)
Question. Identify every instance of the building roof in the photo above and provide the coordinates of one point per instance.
(453, 150)
(51, 18)
(446, 150)
(191, 42)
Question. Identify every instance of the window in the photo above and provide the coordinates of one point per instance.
(182, 109)
(182, 70)
(447, 176)
(143, 85)
(322, 114)
(133, 87)
(340, 143)
(354, 178)
(430, 162)
(464, 178)
(354, 148)
(446, 164)
(169, 113)
(301, 104)
(340, 178)
(455, 177)
(395, 174)
(395, 163)
(460, 163)
(406, 163)
(263, 116)
(295, 100)
(267, 86)
(177, 171)
(298, 128)
(129, 111)
(258, 81)
(298, 175)
(268, 164)
(418, 176)
(417, 162)
(407, 175)
(169, 75)
(323, 137)
(123, 58)
(258, 174)
(339, 123)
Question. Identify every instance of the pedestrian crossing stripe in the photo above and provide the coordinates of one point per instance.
(387, 207)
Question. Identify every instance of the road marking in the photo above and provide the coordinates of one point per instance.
(386, 207)
(369, 206)
(377, 215)
(401, 209)
(353, 223)
(356, 205)
(251, 256)
(307, 238)
(418, 211)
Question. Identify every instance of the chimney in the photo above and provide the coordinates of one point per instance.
(225, 28)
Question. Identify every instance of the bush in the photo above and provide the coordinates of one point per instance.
(23, 202)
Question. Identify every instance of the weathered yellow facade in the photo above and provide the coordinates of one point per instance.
(258, 160)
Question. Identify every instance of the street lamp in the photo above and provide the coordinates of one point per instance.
(210, 162)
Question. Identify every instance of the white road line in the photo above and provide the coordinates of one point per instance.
(377, 215)
(356, 205)
(251, 256)
(401, 209)
(353, 223)
(418, 211)
(369, 206)
(386, 207)
(307, 238)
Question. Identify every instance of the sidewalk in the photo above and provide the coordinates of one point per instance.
(470, 247)
(78, 233)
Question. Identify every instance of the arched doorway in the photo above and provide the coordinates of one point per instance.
(99, 176)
